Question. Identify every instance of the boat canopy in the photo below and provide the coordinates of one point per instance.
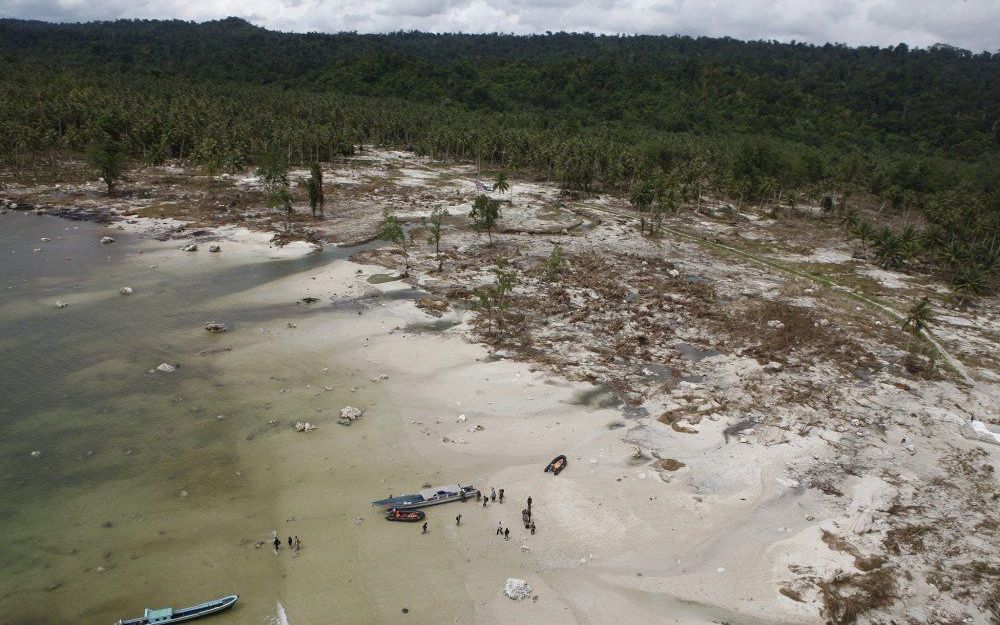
(161, 615)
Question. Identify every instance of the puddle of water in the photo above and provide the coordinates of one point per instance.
(736, 428)
(382, 278)
(438, 325)
(655, 372)
(694, 353)
(603, 397)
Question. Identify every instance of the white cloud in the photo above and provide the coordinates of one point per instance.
(972, 24)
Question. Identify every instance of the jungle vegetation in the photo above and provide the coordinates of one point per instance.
(664, 120)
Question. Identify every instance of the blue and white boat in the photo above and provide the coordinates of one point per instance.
(427, 497)
(164, 616)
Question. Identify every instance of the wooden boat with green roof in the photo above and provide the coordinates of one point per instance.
(165, 616)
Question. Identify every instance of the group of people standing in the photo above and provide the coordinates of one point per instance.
(293, 543)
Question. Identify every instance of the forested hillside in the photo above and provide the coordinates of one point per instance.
(751, 121)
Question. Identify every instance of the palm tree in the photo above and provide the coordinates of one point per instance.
(501, 185)
(850, 219)
(865, 231)
(918, 317)
(969, 283)
(889, 249)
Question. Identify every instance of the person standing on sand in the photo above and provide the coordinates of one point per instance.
(532, 528)
(493, 494)
(529, 503)
(277, 544)
(425, 528)
(506, 533)
(479, 494)
(501, 495)
(499, 527)
(484, 501)
(298, 544)
(289, 541)
(458, 520)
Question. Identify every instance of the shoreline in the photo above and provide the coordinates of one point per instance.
(743, 517)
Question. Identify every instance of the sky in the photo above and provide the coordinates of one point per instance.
(970, 24)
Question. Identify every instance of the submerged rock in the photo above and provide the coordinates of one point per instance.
(166, 368)
(216, 327)
(516, 589)
(125, 290)
(61, 304)
(106, 240)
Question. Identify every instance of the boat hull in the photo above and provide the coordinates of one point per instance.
(405, 516)
(189, 614)
(557, 465)
(411, 502)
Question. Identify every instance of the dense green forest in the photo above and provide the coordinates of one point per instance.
(653, 117)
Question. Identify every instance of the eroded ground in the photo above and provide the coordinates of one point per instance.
(758, 362)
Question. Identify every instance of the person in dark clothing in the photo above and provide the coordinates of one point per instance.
(425, 529)
(506, 533)
(277, 544)
(532, 528)
(501, 495)
(485, 499)
(493, 494)
(529, 503)
(289, 541)
(479, 494)
(458, 520)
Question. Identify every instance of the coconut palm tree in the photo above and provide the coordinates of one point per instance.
(501, 185)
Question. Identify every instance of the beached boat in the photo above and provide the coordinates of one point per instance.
(163, 616)
(558, 464)
(428, 497)
(406, 516)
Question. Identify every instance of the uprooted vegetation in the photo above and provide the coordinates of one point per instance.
(846, 597)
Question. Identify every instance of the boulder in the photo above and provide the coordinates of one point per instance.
(214, 249)
(106, 240)
(517, 589)
(166, 368)
(61, 304)
(304, 426)
(775, 324)
(125, 290)
(216, 327)
(190, 247)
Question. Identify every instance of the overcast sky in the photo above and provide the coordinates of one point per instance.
(971, 24)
